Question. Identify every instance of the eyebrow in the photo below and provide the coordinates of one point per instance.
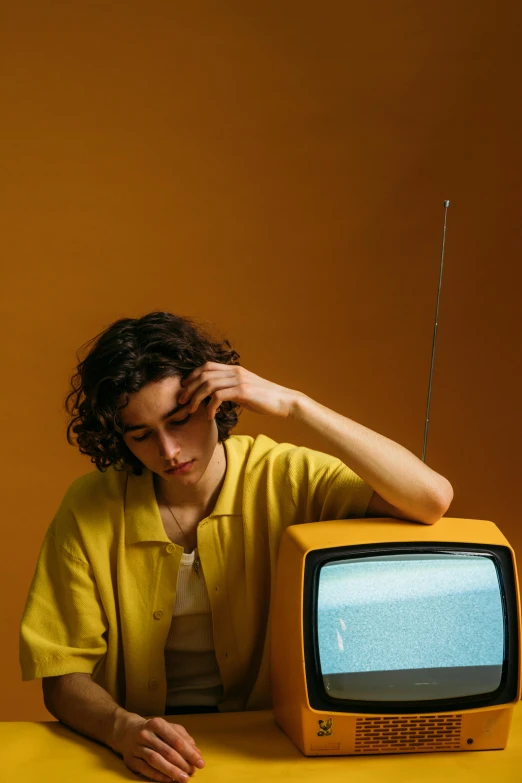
(174, 410)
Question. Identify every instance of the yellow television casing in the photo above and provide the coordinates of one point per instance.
(318, 733)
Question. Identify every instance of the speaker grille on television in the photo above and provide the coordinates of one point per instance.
(433, 732)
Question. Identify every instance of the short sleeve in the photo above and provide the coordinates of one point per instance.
(63, 627)
(324, 488)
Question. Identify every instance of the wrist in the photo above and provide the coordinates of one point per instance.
(299, 405)
(120, 721)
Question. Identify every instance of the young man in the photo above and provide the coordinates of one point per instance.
(152, 590)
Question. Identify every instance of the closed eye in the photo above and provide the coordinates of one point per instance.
(175, 423)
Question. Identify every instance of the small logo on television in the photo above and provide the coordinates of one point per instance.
(326, 727)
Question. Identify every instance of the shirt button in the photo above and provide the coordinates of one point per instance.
(153, 684)
(170, 548)
(158, 614)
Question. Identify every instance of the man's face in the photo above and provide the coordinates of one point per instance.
(160, 442)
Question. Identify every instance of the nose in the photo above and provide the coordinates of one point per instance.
(169, 447)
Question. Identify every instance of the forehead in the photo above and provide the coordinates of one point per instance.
(154, 400)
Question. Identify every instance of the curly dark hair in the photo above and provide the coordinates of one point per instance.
(126, 356)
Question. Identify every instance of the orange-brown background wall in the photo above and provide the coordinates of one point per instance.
(277, 169)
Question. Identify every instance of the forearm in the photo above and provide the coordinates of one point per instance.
(396, 474)
(86, 707)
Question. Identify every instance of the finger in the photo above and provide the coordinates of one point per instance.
(175, 736)
(167, 762)
(236, 393)
(209, 388)
(213, 408)
(209, 370)
(182, 730)
(215, 403)
(151, 773)
(197, 373)
(190, 388)
(171, 753)
(203, 368)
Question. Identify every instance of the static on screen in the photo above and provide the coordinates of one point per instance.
(410, 627)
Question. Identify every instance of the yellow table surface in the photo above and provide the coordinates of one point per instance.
(243, 746)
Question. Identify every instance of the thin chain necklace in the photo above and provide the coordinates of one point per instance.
(197, 562)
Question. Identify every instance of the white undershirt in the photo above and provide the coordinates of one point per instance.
(193, 676)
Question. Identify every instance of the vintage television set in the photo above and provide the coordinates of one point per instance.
(395, 637)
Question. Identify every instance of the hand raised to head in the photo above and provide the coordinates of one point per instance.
(232, 382)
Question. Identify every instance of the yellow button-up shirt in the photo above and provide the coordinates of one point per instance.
(102, 594)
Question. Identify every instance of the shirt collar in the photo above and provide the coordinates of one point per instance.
(142, 517)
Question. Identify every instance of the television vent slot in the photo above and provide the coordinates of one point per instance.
(403, 734)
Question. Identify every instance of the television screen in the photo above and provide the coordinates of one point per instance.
(410, 626)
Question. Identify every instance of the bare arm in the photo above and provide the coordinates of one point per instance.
(85, 706)
(152, 747)
(410, 488)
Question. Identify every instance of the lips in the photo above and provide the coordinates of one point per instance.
(178, 466)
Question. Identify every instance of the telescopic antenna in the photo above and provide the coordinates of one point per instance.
(446, 205)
